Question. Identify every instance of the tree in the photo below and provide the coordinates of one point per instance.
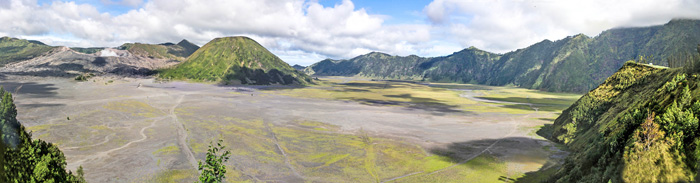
(652, 156)
(80, 174)
(24, 159)
(213, 169)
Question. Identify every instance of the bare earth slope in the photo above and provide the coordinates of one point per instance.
(63, 61)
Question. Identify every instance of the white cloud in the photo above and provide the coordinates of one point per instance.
(505, 25)
(295, 29)
(304, 31)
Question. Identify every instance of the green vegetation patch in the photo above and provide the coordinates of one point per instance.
(639, 126)
(135, 108)
(167, 150)
(483, 168)
(235, 60)
(177, 175)
(436, 98)
(14, 50)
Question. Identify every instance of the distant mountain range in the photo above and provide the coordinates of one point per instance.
(229, 60)
(33, 58)
(574, 64)
(179, 51)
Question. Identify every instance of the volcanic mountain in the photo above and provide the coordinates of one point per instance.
(234, 60)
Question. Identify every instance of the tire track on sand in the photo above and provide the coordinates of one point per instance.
(182, 134)
(106, 153)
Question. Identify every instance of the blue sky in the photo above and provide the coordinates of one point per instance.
(306, 31)
(108, 6)
(399, 11)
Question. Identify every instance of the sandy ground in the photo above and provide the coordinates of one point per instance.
(93, 123)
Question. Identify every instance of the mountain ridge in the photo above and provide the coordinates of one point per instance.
(577, 63)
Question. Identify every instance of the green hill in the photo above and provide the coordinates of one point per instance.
(232, 60)
(640, 125)
(14, 50)
(574, 64)
(179, 51)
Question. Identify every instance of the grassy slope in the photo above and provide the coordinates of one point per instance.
(574, 64)
(374, 64)
(235, 59)
(465, 66)
(90, 50)
(178, 51)
(605, 132)
(14, 50)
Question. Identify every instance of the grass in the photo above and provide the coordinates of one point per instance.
(318, 126)
(483, 168)
(135, 108)
(171, 149)
(329, 155)
(177, 175)
(324, 155)
(436, 98)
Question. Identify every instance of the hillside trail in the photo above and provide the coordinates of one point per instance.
(181, 131)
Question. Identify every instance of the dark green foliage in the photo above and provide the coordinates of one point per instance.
(84, 77)
(80, 174)
(14, 50)
(24, 159)
(614, 135)
(234, 60)
(9, 126)
(259, 76)
(213, 168)
(574, 64)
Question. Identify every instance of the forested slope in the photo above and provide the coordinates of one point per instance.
(574, 64)
(24, 159)
(640, 125)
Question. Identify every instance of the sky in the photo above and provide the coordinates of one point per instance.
(306, 31)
